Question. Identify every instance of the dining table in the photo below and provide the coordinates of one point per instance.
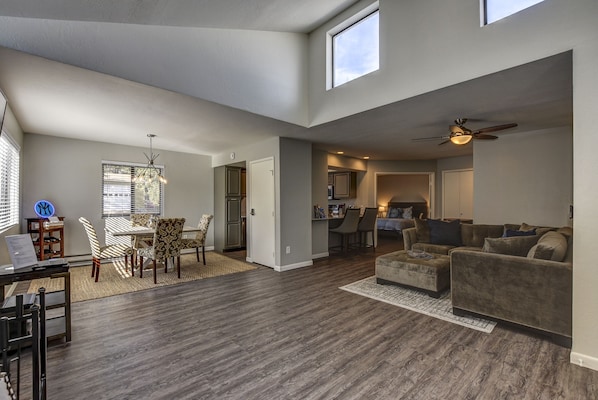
(144, 231)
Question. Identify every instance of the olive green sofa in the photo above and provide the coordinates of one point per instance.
(522, 280)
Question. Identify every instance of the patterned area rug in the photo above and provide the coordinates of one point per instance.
(115, 279)
(417, 301)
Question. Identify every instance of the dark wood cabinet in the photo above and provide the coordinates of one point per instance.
(48, 238)
(229, 195)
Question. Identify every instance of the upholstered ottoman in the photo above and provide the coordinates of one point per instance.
(429, 274)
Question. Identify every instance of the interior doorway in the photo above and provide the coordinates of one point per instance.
(405, 187)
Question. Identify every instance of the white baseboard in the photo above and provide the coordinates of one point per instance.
(320, 255)
(584, 361)
(282, 268)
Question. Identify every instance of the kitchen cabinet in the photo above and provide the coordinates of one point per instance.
(345, 185)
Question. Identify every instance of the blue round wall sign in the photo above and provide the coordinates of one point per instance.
(44, 209)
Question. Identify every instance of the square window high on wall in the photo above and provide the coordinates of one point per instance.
(494, 10)
(353, 47)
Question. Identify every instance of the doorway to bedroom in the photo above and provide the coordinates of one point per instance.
(409, 194)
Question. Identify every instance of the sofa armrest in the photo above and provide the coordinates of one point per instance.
(409, 238)
(531, 292)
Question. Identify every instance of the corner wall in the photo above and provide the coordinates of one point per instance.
(69, 173)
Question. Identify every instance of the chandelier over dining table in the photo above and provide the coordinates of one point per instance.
(150, 173)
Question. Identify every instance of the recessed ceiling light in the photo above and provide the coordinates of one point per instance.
(366, 157)
(340, 152)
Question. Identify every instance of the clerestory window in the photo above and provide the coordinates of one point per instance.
(353, 47)
(495, 10)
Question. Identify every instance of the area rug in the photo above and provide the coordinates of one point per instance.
(417, 301)
(114, 279)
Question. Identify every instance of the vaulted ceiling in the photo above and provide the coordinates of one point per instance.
(59, 88)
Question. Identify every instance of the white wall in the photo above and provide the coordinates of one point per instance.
(69, 173)
(527, 177)
(216, 69)
(428, 45)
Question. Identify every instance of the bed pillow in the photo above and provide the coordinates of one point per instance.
(408, 213)
(447, 233)
(394, 212)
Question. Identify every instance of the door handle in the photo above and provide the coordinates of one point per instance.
(252, 212)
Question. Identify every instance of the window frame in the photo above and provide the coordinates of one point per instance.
(132, 188)
(10, 178)
(484, 12)
(338, 29)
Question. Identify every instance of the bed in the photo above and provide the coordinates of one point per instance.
(399, 216)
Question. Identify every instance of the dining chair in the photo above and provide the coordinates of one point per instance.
(366, 225)
(139, 241)
(99, 253)
(200, 238)
(166, 244)
(347, 228)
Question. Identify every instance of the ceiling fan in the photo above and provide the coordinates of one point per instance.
(460, 134)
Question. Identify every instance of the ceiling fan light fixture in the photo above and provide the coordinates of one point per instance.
(461, 139)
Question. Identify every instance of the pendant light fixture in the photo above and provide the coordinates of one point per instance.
(150, 173)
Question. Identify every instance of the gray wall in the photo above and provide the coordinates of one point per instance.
(319, 184)
(527, 177)
(293, 203)
(69, 173)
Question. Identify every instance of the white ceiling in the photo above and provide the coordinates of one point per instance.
(57, 99)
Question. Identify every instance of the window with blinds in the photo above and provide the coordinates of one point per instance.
(9, 181)
(123, 197)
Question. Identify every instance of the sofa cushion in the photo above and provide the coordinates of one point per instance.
(551, 246)
(473, 235)
(422, 230)
(442, 232)
(513, 246)
(433, 248)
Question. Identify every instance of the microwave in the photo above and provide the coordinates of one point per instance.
(330, 192)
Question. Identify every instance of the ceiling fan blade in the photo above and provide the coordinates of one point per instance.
(427, 139)
(443, 142)
(484, 136)
(495, 128)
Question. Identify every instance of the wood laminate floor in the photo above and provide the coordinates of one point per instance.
(294, 335)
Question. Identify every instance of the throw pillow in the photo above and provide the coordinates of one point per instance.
(513, 246)
(551, 246)
(442, 232)
(422, 230)
(408, 213)
(540, 252)
(526, 227)
(511, 233)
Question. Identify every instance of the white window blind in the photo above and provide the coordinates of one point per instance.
(123, 197)
(9, 181)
